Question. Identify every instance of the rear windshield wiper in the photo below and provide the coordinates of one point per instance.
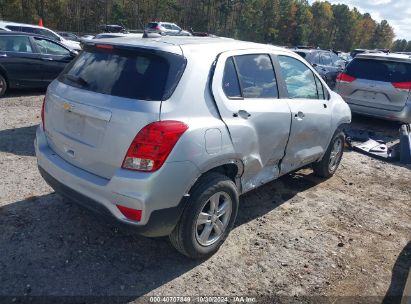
(76, 79)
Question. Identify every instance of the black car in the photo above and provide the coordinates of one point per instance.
(325, 62)
(30, 61)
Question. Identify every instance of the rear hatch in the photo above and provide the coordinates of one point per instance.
(378, 83)
(103, 98)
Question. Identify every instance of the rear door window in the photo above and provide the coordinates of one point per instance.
(136, 74)
(379, 70)
(20, 44)
(299, 79)
(231, 86)
(256, 75)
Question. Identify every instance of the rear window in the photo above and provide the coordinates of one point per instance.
(379, 70)
(136, 74)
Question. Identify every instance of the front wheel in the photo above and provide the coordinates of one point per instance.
(208, 217)
(332, 157)
(3, 85)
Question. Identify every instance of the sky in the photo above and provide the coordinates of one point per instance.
(396, 12)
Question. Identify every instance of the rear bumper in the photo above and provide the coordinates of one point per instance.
(159, 195)
(403, 116)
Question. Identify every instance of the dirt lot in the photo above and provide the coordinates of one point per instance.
(295, 238)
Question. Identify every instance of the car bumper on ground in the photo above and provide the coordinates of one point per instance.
(403, 116)
(160, 195)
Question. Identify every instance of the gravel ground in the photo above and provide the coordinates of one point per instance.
(295, 238)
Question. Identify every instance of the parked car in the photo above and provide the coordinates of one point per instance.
(165, 28)
(86, 37)
(361, 51)
(39, 30)
(69, 36)
(30, 61)
(326, 63)
(113, 28)
(378, 84)
(178, 128)
(116, 35)
(345, 56)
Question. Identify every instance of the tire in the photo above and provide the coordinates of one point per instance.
(3, 85)
(199, 241)
(332, 157)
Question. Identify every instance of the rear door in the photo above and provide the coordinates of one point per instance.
(376, 83)
(245, 89)
(21, 63)
(54, 58)
(310, 111)
(103, 99)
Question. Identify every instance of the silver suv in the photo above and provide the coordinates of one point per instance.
(165, 28)
(379, 85)
(165, 134)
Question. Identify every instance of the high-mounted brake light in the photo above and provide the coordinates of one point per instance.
(405, 86)
(342, 77)
(131, 214)
(42, 113)
(152, 145)
(104, 46)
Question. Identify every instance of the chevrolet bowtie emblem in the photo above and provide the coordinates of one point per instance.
(67, 106)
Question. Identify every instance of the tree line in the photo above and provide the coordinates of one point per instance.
(279, 22)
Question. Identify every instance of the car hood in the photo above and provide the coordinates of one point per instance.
(73, 45)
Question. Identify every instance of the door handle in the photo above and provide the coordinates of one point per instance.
(47, 58)
(242, 113)
(299, 116)
(3, 55)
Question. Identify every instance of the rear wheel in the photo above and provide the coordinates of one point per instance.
(332, 158)
(208, 217)
(3, 85)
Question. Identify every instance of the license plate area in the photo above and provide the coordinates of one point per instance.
(74, 124)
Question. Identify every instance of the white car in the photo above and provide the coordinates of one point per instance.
(35, 29)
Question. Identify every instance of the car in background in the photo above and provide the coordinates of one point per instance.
(30, 61)
(86, 37)
(39, 30)
(113, 28)
(69, 36)
(355, 52)
(325, 62)
(165, 28)
(378, 85)
(116, 35)
(345, 56)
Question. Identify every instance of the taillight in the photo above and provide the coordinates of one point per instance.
(131, 214)
(152, 145)
(42, 112)
(405, 86)
(158, 28)
(342, 77)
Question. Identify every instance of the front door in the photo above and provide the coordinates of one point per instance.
(310, 112)
(54, 58)
(246, 92)
(19, 61)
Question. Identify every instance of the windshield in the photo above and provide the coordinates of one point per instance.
(131, 74)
